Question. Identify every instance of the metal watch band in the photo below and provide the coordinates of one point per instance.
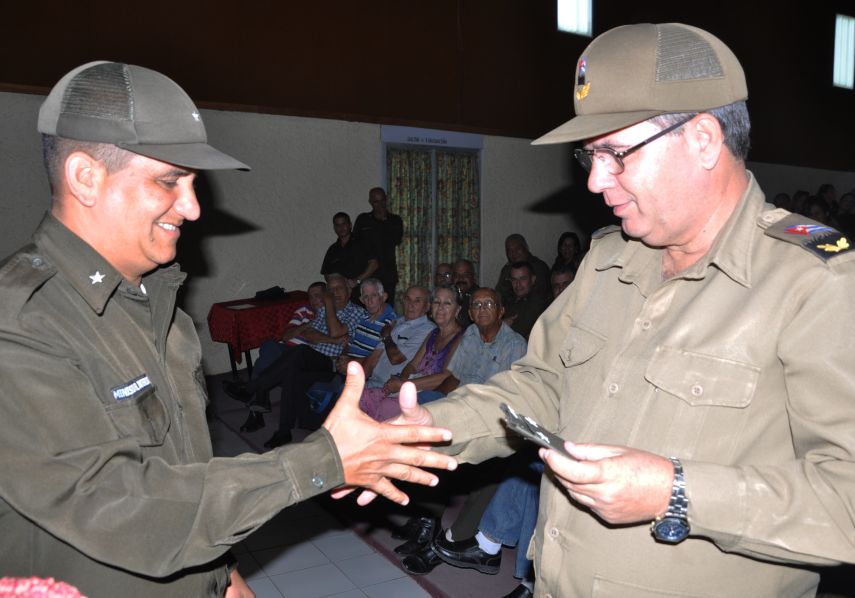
(678, 506)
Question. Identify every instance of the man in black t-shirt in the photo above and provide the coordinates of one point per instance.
(385, 231)
(349, 256)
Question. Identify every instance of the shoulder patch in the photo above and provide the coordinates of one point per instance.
(602, 232)
(817, 238)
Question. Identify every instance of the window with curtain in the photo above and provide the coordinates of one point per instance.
(437, 194)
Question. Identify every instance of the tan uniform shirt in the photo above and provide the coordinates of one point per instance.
(106, 475)
(741, 366)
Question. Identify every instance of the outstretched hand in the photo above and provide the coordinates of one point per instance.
(618, 483)
(373, 454)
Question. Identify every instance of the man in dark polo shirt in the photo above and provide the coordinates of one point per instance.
(353, 258)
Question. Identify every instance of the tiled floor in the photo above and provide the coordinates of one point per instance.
(304, 552)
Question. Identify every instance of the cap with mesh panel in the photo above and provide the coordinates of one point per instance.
(135, 108)
(635, 72)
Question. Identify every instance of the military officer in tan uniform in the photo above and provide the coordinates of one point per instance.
(699, 366)
(107, 481)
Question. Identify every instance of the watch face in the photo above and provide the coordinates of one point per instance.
(671, 529)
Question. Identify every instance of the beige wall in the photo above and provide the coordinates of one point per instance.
(271, 226)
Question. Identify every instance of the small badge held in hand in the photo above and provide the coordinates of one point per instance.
(533, 431)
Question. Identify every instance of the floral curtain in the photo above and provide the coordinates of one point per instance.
(457, 221)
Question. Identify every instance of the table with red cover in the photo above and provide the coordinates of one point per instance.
(246, 323)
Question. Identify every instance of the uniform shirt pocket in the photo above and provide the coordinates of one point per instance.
(142, 418)
(580, 346)
(700, 379)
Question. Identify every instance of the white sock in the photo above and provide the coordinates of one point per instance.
(487, 545)
(448, 535)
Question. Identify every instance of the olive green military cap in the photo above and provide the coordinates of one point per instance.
(135, 108)
(635, 72)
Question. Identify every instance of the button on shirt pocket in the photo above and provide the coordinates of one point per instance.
(700, 379)
(143, 418)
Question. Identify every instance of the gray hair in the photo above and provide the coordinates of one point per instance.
(733, 118)
(371, 281)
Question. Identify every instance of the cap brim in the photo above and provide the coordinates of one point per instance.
(200, 156)
(588, 126)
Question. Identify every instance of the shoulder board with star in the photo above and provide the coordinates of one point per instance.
(815, 237)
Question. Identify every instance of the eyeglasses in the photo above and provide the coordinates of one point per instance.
(444, 275)
(367, 296)
(489, 304)
(611, 160)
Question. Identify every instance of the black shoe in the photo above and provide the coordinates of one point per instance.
(278, 439)
(254, 421)
(408, 530)
(237, 391)
(428, 528)
(467, 554)
(260, 404)
(422, 562)
(519, 592)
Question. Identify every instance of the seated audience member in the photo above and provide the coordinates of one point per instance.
(300, 320)
(299, 367)
(846, 214)
(797, 201)
(569, 251)
(443, 275)
(367, 336)
(525, 307)
(782, 200)
(488, 346)
(560, 278)
(385, 230)
(516, 250)
(428, 368)
(510, 517)
(400, 341)
(463, 279)
(817, 208)
(353, 258)
(508, 520)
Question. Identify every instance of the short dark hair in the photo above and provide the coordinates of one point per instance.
(344, 215)
(318, 283)
(563, 269)
(523, 264)
(55, 151)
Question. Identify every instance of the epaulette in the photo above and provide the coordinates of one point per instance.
(602, 232)
(817, 238)
(21, 274)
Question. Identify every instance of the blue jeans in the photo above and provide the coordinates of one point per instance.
(511, 516)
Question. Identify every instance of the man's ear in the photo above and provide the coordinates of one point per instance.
(710, 139)
(84, 176)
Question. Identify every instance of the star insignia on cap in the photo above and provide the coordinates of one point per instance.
(196, 116)
(97, 278)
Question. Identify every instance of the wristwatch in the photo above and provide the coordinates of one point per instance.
(673, 526)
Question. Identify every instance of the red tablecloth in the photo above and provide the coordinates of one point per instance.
(245, 323)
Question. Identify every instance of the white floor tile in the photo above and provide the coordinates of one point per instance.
(264, 588)
(325, 580)
(369, 570)
(342, 545)
(289, 558)
(397, 588)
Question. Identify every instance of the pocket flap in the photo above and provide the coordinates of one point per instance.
(700, 379)
(580, 346)
(143, 418)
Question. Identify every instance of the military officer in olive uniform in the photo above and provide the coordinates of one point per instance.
(107, 481)
(699, 365)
